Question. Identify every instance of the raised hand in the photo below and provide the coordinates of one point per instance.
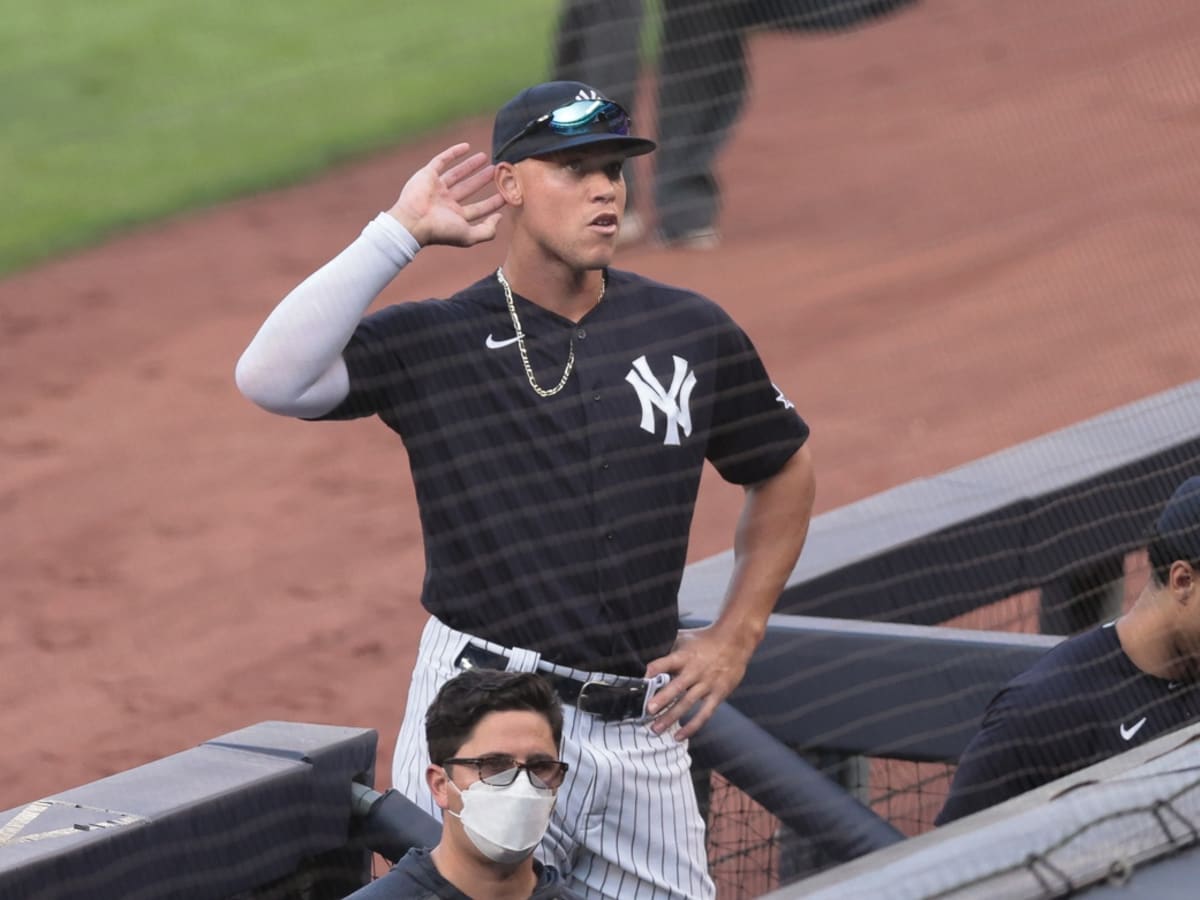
(432, 204)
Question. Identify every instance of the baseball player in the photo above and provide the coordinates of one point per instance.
(1099, 693)
(557, 415)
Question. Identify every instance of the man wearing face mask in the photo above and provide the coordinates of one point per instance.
(494, 772)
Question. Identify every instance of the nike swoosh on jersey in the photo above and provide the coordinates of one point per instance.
(1128, 733)
(493, 344)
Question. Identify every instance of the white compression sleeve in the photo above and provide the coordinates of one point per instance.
(294, 365)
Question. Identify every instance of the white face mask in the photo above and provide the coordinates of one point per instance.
(505, 823)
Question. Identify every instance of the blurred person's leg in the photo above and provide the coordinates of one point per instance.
(701, 89)
(598, 42)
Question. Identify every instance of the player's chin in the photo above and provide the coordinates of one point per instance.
(597, 254)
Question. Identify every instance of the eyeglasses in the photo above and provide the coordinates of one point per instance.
(579, 117)
(500, 770)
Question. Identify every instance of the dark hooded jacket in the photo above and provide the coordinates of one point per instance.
(416, 878)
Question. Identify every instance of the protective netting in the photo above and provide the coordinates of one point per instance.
(1112, 831)
(693, 62)
(752, 853)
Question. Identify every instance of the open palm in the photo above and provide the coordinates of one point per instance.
(433, 207)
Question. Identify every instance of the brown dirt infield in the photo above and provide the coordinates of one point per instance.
(953, 230)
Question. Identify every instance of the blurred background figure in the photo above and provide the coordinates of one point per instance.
(599, 42)
(702, 81)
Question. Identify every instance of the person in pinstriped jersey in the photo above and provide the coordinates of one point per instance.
(557, 415)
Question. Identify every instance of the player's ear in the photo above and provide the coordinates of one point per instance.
(508, 183)
(436, 778)
(1182, 580)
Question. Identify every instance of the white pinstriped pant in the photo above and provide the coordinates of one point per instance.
(626, 825)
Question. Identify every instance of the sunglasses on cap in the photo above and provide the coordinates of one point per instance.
(579, 117)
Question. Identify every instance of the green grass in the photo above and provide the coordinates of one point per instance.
(127, 111)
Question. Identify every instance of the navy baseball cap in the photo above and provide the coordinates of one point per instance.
(1179, 521)
(558, 115)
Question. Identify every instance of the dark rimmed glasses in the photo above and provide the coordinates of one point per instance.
(578, 117)
(501, 770)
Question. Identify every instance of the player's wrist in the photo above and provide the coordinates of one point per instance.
(397, 239)
(744, 632)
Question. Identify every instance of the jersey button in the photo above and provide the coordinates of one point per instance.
(581, 334)
(604, 466)
(610, 537)
(596, 397)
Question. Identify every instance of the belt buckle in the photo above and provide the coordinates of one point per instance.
(581, 700)
(616, 706)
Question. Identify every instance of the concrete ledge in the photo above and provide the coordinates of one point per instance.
(227, 816)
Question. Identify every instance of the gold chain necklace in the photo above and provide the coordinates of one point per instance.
(512, 311)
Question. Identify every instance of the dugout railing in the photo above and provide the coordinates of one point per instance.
(857, 667)
(261, 813)
(1128, 826)
(845, 664)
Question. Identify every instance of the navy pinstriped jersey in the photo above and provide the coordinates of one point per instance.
(1083, 702)
(560, 524)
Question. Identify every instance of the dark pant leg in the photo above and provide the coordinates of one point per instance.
(598, 43)
(701, 89)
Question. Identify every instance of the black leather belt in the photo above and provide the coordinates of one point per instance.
(610, 702)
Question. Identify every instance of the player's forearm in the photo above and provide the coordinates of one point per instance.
(294, 365)
(770, 535)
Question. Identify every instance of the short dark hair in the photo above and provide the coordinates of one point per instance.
(466, 698)
(1163, 552)
(1175, 534)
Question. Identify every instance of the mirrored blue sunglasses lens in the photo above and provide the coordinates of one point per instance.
(582, 116)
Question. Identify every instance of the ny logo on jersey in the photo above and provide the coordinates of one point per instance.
(673, 402)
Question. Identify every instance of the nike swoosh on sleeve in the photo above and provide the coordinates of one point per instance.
(1128, 733)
